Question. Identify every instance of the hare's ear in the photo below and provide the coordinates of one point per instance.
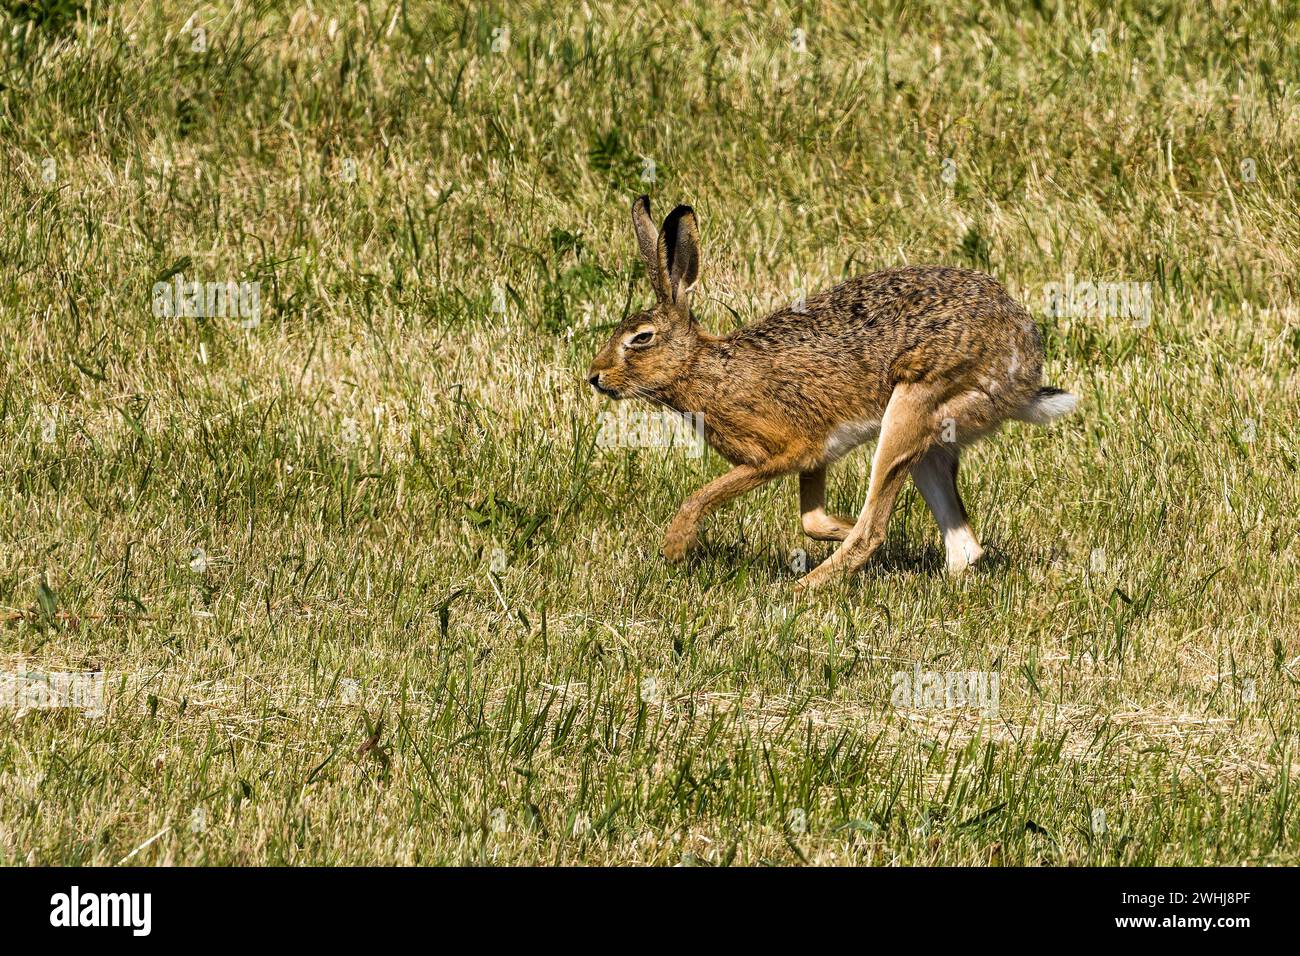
(647, 240)
(679, 254)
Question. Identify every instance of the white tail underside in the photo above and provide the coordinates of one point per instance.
(1047, 407)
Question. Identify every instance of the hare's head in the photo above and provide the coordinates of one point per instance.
(651, 350)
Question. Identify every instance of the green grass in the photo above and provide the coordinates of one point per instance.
(349, 682)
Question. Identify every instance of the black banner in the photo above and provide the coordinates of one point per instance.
(335, 906)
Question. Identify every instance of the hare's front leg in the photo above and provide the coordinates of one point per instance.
(684, 531)
(817, 524)
(905, 436)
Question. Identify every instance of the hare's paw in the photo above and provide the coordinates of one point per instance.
(680, 541)
(818, 577)
(962, 555)
(820, 526)
(847, 559)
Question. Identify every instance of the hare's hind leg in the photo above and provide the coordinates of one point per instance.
(906, 434)
(936, 478)
(817, 524)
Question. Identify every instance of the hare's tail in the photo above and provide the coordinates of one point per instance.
(1047, 406)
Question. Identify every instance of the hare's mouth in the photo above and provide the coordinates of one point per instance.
(608, 392)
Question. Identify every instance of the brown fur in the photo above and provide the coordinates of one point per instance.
(932, 357)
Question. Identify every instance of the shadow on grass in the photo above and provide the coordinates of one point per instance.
(717, 563)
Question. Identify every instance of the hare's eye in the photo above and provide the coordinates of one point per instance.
(642, 338)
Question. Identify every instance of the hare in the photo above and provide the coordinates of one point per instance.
(926, 358)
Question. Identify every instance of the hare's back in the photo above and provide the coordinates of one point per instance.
(938, 315)
(916, 298)
(908, 324)
(956, 326)
(902, 301)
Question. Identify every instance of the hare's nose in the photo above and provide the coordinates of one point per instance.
(595, 380)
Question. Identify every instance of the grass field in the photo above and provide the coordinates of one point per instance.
(361, 582)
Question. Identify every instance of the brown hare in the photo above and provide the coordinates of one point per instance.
(928, 358)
